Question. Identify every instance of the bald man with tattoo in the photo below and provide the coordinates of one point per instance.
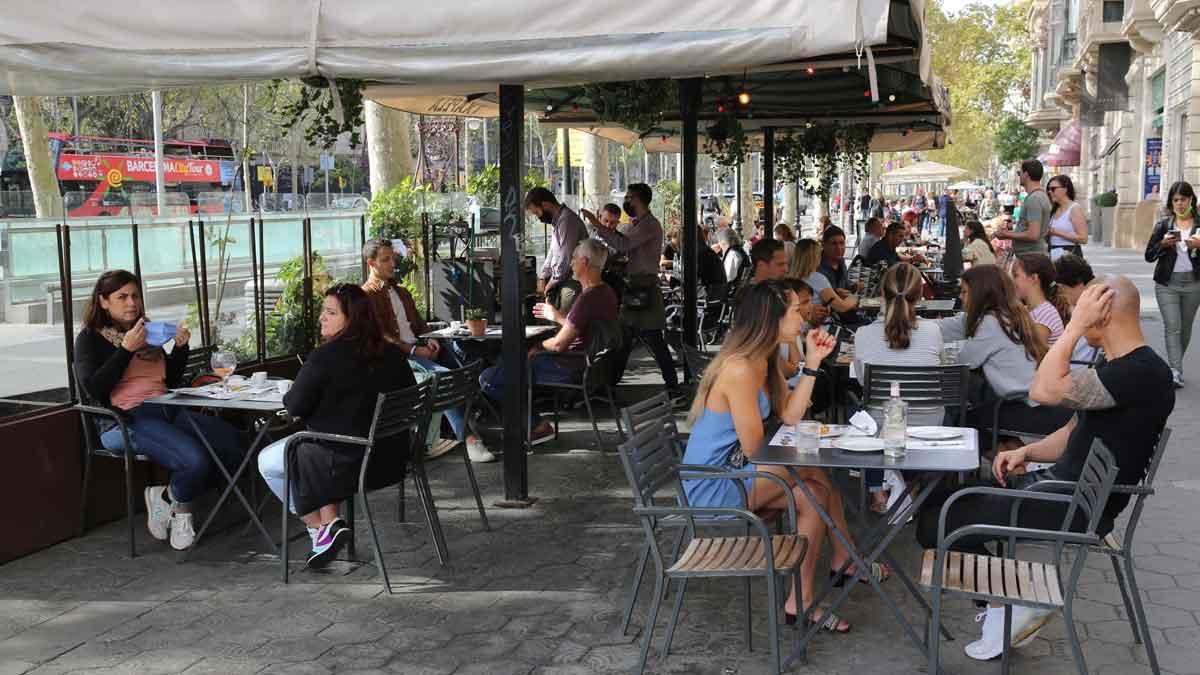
(1123, 402)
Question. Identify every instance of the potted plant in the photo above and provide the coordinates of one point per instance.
(477, 321)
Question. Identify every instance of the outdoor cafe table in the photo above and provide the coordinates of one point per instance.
(493, 333)
(930, 306)
(264, 408)
(925, 464)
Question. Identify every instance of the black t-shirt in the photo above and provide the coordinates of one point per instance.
(669, 252)
(881, 252)
(1140, 383)
(710, 270)
(835, 275)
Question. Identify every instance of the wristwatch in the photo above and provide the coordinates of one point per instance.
(810, 372)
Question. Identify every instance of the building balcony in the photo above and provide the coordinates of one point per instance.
(1047, 116)
(1141, 26)
(1177, 15)
(1098, 24)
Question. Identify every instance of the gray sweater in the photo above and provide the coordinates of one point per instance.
(1005, 364)
(924, 349)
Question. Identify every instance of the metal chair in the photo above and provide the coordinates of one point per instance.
(1021, 582)
(1120, 549)
(396, 413)
(198, 363)
(453, 389)
(921, 386)
(595, 374)
(650, 465)
(658, 412)
(90, 411)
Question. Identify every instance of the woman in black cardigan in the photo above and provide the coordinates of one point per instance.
(119, 369)
(1174, 248)
(335, 392)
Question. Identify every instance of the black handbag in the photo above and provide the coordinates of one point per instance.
(638, 298)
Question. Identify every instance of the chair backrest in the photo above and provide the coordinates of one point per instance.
(1094, 486)
(403, 410)
(920, 386)
(455, 388)
(650, 464)
(197, 363)
(85, 396)
(1135, 513)
(604, 336)
(653, 412)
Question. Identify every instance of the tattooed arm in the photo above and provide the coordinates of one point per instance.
(1055, 383)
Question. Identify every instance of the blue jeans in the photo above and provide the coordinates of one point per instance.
(446, 361)
(164, 434)
(545, 370)
(270, 465)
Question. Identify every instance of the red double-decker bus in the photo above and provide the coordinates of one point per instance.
(114, 176)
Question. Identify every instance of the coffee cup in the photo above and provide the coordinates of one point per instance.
(456, 325)
(259, 379)
(283, 386)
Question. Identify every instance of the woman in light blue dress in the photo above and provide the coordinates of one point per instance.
(740, 389)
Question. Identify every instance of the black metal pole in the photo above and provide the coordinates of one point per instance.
(259, 297)
(308, 286)
(137, 257)
(512, 226)
(768, 158)
(205, 320)
(427, 240)
(362, 233)
(196, 279)
(689, 103)
(64, 281)
(262, 283)
(568, 185)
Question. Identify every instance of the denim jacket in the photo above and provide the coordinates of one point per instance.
(1164, 259)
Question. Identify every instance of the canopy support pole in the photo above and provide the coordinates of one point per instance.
(568, 184)
(768, 162)
(689, 103)
(160, 189)
(512, 349)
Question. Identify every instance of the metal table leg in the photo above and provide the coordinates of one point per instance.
(251, 454)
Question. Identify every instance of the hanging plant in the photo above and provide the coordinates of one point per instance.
(727, 142)
(315, 110)
(638, 105)
(854, 148)
(791, 160)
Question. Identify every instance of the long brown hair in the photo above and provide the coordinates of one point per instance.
(1039, 264)
(1065, 181)
(806, 259)
(975, 230)
(362, 327)
(754, 336)
(95, 316)
(990, 291)
(902, 286)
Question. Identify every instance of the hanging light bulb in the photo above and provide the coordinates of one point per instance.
(744, 98)
(892, 98)
(720, 107)
(810, 70)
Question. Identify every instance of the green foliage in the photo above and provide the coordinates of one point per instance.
(314, 108)
(637, 105)
(1015, 141)
(826, 149)
(1105, 199)
(396, 214)
(484, 186)
(727, 143)
(982, 55)
(533, 178)
(475, 314)
(668, 194)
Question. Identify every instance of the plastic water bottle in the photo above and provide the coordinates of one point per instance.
(895, 424)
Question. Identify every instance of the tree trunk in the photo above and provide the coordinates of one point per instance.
(746, 188)
(46, 200)
(597, 184)
(389, 146)
(790, 212)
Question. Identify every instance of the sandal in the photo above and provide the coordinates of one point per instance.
(879, 572)
(829, 621)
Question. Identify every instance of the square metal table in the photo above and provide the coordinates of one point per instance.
(927, 463)
(266, 408)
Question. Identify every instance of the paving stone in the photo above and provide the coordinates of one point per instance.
(68, 630)
(1177, 598)
(354, 633)
(357, 656)
(219, 665)
(293, 650)
(496, 668)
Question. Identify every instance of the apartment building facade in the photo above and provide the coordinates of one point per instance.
(1153, 139)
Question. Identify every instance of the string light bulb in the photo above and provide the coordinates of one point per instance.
(891, 98)
(744, 98)
(810, 70)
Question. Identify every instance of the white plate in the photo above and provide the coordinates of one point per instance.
(935, 433)
(859, 444)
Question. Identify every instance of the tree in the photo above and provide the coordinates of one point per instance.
(982, 54)
(1015, 141)
(42, 179)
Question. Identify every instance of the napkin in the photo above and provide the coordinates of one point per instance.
(864, 423)
(158, 333)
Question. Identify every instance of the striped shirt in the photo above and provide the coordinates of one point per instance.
(1046, 315)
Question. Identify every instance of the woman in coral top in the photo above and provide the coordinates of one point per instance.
(118, 368)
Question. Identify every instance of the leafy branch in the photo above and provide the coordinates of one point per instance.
(315, 109)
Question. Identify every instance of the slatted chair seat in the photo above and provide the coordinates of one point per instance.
(718, 556)
(1032, 583)
(119, 454)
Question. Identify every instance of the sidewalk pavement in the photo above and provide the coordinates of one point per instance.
(543, 592)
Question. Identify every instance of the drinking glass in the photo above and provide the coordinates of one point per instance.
(808, 436)
(223, 365)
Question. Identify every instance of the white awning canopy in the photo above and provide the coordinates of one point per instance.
(61, 47)
(922, 172)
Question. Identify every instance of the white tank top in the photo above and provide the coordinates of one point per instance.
(1061, 223)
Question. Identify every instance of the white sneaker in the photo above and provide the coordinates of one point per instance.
(478, 452)
(991, 642)
(158, 512)
(182, 533)
(441, 447)
(1178, 378)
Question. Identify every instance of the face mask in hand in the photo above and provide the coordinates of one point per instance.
(628, 207)
(545, 217)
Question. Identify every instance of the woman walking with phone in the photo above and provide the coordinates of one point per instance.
(1174, 248)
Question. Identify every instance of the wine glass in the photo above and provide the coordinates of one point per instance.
(223, 365)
